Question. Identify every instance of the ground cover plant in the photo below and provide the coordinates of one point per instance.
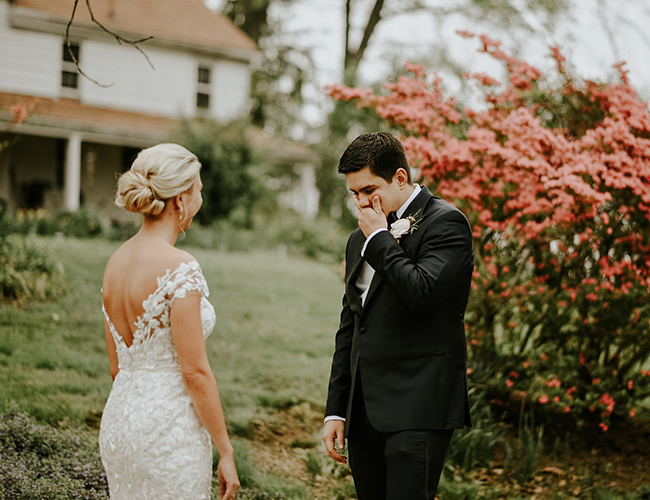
(41, 462)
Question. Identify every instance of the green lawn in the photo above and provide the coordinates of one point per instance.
(270, 351)
(271, 348)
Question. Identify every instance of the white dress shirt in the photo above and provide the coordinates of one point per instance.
(367, 272)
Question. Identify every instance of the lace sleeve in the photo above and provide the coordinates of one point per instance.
(186, 279)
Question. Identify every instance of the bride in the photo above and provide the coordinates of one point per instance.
(164, 405)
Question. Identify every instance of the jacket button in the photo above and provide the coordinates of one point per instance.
(362, 329)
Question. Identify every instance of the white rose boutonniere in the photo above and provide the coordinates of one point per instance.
(405, 226)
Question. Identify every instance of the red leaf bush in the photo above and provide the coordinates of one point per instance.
(553, 173)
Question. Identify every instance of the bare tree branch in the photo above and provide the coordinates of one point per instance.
(120, 39)
(602, 14)
(375, 17)
(347, 34)
(352, 59)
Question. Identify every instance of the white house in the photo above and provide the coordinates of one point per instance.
(81, 134)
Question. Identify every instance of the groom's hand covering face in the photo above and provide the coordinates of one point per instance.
(375, 198)
(371, 216)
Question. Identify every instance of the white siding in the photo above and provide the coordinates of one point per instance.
(167, 90)
(29, 62)
(230, 90)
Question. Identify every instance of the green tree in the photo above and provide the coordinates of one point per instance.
(231, 172)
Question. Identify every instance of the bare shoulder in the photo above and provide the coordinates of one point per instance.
(139, 264)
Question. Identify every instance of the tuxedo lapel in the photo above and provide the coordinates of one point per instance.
(350, 285)
(376, 280)
(419, 204)
(417, 207)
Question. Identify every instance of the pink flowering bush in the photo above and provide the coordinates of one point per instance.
(553, 174)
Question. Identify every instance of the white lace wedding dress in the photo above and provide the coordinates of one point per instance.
(152, 444)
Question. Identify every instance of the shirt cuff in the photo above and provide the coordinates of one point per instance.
(334, 417)
(365, 245)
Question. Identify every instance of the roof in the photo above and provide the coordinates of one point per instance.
(182, 21)
(57, 118)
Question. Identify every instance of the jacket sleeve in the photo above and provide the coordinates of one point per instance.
(445, 258)
(340, 378)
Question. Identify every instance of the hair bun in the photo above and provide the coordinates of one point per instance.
(157, 174)
(134, 192)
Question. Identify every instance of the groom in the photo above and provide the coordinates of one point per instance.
(398, 385)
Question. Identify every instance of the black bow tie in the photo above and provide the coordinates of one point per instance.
(392, 217)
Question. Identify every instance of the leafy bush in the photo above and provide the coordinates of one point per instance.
(553, 175)
(474, 447)
(83, 223)
(230, 172)
(38, 462)
(27, 272)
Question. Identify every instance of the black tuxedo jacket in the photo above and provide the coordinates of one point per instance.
(407, 343)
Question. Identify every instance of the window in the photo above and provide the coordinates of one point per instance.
(69, 73)
(203, 87)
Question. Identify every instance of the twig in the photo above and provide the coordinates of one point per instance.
(120, 39)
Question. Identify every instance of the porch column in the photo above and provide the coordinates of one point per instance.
(309, 191)
(72, 184)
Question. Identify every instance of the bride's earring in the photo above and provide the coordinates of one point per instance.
(180, 216)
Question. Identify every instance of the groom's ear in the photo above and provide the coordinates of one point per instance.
(401, 177)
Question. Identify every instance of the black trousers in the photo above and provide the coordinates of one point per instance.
(403, 465)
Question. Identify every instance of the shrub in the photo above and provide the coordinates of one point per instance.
(27, 272)
(83, 223)
(38, 462)
(231, 171)
(553, 173)
(474, 447)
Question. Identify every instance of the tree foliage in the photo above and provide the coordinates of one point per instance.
(553, 174)
(232, 185)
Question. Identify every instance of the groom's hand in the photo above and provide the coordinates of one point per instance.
(333, 435)
(371, 216)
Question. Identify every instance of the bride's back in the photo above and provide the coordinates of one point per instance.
(131, 276)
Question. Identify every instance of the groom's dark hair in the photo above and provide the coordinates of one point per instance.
(380, 151)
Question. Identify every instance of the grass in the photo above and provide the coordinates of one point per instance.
(270, 352)
(271, 347)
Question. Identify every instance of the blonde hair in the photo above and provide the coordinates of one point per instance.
(157, 174)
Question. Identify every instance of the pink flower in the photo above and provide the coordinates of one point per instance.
(554, 383)
(630, 384)
(604, 426)
(556, 399)
(19, 113)
(595, 381)
(567, 409)
(470, 371)
(543, 357)
(632, 412)
(543, 399)
(509, 383)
